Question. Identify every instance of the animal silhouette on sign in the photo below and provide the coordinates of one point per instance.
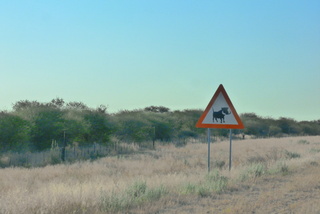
(220, 114)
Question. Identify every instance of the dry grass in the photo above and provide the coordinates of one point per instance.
(278, 175)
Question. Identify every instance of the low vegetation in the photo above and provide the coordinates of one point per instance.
(273, 175)
(32, 126)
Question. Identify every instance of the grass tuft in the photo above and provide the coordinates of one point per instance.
(280, 168)
(253, 171)
(314, 150)
(305, 142)
(213, 183)
(216, 182)
(134, 195)
(137, 190)
(292, 155)
(220, 164)
(189, 188)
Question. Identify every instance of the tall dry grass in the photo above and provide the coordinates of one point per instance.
(155, 181)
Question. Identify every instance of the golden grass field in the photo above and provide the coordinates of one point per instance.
(274, 175)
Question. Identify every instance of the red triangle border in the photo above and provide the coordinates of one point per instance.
(200, 123)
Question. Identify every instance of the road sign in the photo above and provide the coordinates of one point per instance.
(220, 113)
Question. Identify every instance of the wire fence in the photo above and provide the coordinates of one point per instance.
(74, 152)
(58, 155)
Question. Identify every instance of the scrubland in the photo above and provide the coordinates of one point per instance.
(272, 175)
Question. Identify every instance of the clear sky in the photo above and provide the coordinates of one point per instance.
(136, 53)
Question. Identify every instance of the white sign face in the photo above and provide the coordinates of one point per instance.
(220, 113)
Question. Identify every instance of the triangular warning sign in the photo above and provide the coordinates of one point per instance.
(220, 113)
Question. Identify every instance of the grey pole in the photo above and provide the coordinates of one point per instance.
(154, 136)
(208, 150)
(63, 153)
(230, 153)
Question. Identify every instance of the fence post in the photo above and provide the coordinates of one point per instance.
(63, 151)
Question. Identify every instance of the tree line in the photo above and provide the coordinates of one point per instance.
(35, 126)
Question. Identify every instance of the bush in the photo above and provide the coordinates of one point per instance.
(99, 127)
(14, 132)
(33, 125)
(48, 124)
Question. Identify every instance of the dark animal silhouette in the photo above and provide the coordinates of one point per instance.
(220, 114)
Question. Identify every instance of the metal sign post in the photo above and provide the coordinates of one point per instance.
(208, 150)
(230, 153)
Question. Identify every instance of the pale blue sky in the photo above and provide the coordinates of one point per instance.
(132, 54)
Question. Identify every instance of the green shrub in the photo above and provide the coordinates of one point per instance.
(14, 133)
